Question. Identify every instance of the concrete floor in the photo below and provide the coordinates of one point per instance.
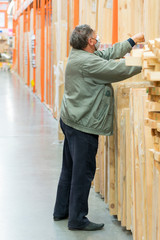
(30, 161)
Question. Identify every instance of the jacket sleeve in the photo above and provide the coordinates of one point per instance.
(118, 50)
(102, 71)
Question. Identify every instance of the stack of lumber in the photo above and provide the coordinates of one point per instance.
(128, 163)
(153, 122)
(120, 176)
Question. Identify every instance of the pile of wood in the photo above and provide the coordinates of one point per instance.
(128, 163)
(153, 122)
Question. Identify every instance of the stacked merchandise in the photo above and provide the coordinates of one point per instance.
(153, 121)
(5, 56)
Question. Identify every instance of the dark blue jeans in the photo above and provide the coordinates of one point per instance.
(78, 170)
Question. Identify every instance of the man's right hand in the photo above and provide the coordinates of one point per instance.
(139, 37)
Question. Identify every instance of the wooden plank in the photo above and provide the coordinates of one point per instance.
(157, 65)
(122, 102)
(157, 53)
(133, 61)
(130, 17)
(151, 44)
(101, 164)
(97, 176)
(158, 210)
(112, 176)
(153, 106)
(153, 76)
(128, 171)
(156, 202)
(106, 171)
(154, 91)
(150, 123)
(152, 62)
(149, 179)
(123, 169)
(149, 63)
(157, 42)
(123, 28)
(151, 19)
(154, 98)
(156, 141)
(155, 155)
(138, 162)
(133, 206)
(146, 48)
(145, 64)
(137, 53)
(148, 55)
(158, 127)
(145, 72)
(104, 16)
(88, 10)
(154, 116)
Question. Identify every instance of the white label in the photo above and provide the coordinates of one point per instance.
(94, 5)
(2, 19)
(110, 4)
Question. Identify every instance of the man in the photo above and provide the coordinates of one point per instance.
(86, 112)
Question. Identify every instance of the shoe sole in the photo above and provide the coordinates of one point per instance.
(83, 229)
(59, 219)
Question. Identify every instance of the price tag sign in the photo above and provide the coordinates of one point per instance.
(2, 19)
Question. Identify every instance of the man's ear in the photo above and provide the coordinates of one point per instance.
(90, 41)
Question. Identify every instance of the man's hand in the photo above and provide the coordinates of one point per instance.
(139, 37)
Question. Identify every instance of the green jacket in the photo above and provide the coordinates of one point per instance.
(88, 101)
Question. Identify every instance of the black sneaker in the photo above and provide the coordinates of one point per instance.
(90, 227)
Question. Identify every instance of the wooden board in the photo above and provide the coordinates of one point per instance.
(112, 176)
(104, 24)
(88, 11)
(154, 91)
(153, 76)
(128, 171)
(138, 163)
(130, 18)
(133, 61)
(101, 163)
(149, 183)
(156, 201)
(151, 19)
(123, 168)
(106, 171)
(97, 175)
(153, 106)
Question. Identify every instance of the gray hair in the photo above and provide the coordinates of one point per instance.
(80, 35)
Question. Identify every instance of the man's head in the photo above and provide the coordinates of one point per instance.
(84, 38)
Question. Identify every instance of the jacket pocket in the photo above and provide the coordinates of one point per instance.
(105, 106)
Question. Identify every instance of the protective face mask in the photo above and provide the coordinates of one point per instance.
(97, 45)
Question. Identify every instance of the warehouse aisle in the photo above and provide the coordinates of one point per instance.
(30, 160)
